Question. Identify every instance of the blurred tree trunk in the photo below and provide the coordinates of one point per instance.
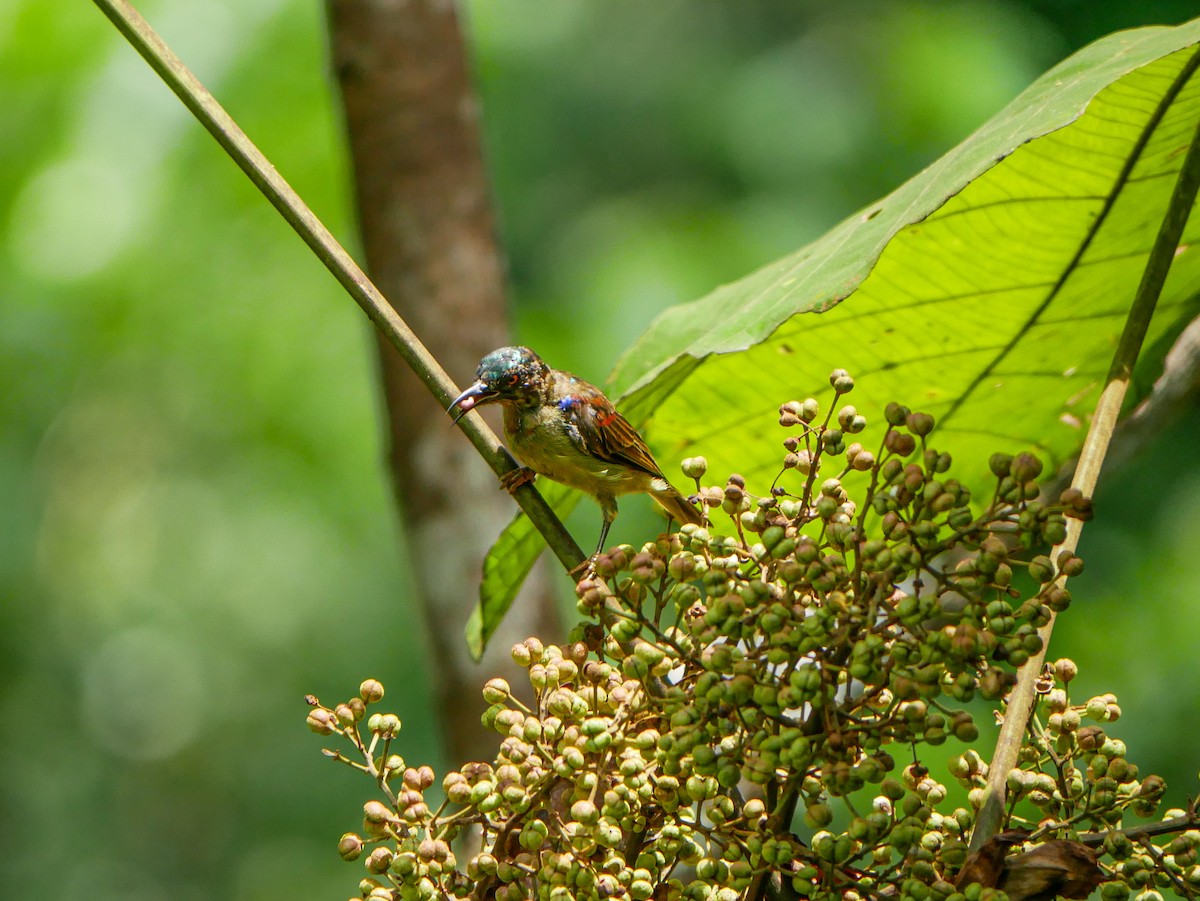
(428, 234)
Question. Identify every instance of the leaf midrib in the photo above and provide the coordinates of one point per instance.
(1120, 183)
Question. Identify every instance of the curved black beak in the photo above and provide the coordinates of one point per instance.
(475, 396)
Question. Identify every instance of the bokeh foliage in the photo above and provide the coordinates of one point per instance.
(196, 527)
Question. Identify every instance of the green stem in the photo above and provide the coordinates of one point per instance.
(319, 239)
(1091, 458)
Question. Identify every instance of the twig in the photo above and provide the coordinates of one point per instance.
(1179, 885)
(1147, 830)
(327, 249)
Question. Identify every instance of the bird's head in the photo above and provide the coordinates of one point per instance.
(512, 374)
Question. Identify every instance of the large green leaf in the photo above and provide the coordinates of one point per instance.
(989, 290)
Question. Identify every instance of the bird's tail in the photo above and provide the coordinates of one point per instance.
(675, 504)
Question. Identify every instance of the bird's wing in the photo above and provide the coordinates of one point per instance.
(605, 432)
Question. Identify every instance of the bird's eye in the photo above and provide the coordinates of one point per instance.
(513, 379)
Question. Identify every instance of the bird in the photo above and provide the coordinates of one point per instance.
(564, 428)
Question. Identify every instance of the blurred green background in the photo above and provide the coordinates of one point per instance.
(195, 528)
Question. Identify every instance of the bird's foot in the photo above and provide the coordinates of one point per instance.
(515, 478)
(586, 569)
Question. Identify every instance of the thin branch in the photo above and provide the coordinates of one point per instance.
(1189, 820)
(1181, 887)
(1091, 458)
(327, 249)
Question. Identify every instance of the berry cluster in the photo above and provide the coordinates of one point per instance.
(1073, 776)
(736, 681)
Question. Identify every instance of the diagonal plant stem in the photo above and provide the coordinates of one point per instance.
(319, 239)
(1091, 458)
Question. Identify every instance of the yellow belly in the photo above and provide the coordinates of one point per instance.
(543, 440)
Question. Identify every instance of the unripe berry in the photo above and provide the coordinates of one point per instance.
(393, 767)
(1152, 787)
(379, 860)
(371, 691)
(385, 725)
(1065, 670)
(841, 381)
(350, 846)
(1069, 564)
(891, 471)
(536, 648)
(496, 690)
(1000, 465)
(753, 809)
(804, 462)
(1080, 507)
(377, 812)
(1026, 467)
(964, 727)
(899, 443)
(1057, 598)
(1054, 532)
(1041, 569)
(694, 467)
(863, 461)
(919, 423)
(321, 721)
(584, 811)
(818, 816)
(521, 656)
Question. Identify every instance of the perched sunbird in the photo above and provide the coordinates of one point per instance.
(561, 427)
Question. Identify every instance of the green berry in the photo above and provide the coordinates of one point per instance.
(371, 691)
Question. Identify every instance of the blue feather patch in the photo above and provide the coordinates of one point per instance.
(567, 403)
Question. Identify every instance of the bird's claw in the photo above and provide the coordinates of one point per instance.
(586, 569)
(515, 478)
